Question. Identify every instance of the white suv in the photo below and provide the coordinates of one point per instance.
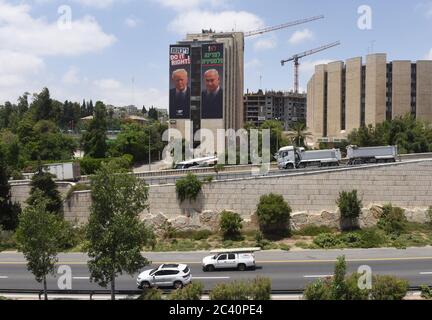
(167, 275)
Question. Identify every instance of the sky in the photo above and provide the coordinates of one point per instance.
(116, 51)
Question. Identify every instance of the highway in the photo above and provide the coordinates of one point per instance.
(287, 270)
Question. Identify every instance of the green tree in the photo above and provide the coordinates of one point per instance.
(339, 286)
(393, 220)
(94, 140)
(42, 106)
(274, 215)
(39, 237)
(350, 207)
(43, 182)
(115, 233)
(299, 134)
(153, 114)
(9, 211)
(277, 140)
(230, 224)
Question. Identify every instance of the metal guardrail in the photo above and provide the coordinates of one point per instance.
(93, 293)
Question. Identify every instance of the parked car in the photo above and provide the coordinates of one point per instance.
(240, 259)
(166, 275)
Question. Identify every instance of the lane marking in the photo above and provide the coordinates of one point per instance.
(211, 278)
(4, 277)
(319, 276)
(81, 278)
(426, 273)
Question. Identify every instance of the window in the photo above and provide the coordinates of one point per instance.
(231, 256)
(222, 257)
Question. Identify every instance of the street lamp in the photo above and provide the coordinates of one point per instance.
(149, 145)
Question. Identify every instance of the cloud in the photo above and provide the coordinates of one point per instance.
(252, 64)
(100, 4)
(265, 44)
(107, 84)
(194, 21)
(181, 5)
(301, 36)
(425, 8)
(132, 22)
(71, 77)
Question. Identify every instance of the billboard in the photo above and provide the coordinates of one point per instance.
(180, 82)
(212, 96)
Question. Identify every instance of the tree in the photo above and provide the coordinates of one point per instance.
(39, 237)
(277, 139)
(230, 224)
(42, 106)
(350, 208)
(9, 211)
(299, 134)
(274, 215)
(42, 182)
(339, 286)
(94, 140)
(115, 233)
(153, 114)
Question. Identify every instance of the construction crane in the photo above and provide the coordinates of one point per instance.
(296, 58)
(282, 26)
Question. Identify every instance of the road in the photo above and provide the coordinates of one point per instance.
(288, 270)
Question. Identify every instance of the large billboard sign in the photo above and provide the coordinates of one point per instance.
(180, 82)
(212, 97)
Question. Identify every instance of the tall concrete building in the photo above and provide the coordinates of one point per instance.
(231, 72)
(287, 107)
(345, 96)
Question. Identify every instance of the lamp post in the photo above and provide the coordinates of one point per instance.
(149, 146)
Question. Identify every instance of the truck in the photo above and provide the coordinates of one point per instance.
(240, 259)
(385, 154)
(70, 171)
(294, 158)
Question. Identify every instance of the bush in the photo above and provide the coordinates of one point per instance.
(372, 238)
(353, 292)
(327, 241)
(393, 220)
(313, 231)
(151, 294)
(389, 288)
(189, 293)
(319, 290)
(72, 236)
(426, 292)
(230, 224)
(7, 240)
(188, 188)
(89, 165)
(274, 216)
(350, 208)
(351, 239)
(429, 214)
(259, 289)
(75, 188)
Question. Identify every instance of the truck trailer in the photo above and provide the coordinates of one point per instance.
(357, 156)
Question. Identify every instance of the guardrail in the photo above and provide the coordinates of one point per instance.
(92, 293)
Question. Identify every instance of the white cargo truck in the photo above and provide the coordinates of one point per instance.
(367, 155)
(293, 158)
(70, 171)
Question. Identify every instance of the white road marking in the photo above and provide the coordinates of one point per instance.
(4, 277)
(320, 276)
(211, 278)
(426, 273)
(81, 278)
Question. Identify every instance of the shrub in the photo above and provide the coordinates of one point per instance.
(426, 292)
(189, 293)
(388, 288)
(393, 220)
(313, 230)
(230, 224)
(372, 238)
(208, 179)
(284, 247)
(351, 239)
(75, 188)
(429, 214)
(319, 290)
(89, 165)
(274, 216)
(261, 289)
(353, 292)
(201, 235)
(7, 240)
(188, 188)
(258, 289)
(168, 231)
(327, 241)
(151, 294)
(350, 208)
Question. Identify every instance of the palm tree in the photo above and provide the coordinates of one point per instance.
(299, 133)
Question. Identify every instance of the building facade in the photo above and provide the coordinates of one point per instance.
(232, 79)
(287, 107)
(345, 96)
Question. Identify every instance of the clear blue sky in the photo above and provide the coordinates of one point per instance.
(116, 50)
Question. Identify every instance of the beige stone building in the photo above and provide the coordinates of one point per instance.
(233, 80)
(345, 96)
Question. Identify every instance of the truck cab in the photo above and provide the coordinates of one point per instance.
(288, 157)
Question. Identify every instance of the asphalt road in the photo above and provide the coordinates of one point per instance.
(288, 270)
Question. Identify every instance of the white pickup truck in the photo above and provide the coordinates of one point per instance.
(240, 259)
